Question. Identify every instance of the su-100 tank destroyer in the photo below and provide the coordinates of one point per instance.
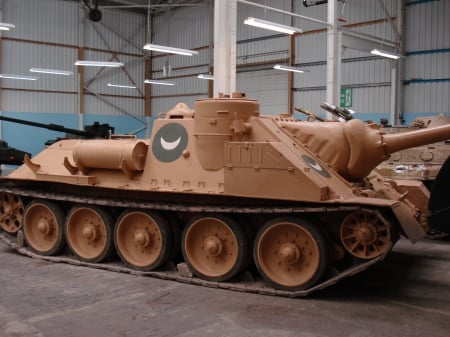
(228, 188)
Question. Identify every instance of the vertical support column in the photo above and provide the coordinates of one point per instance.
(394, 92)
(333, 56)
(80, 70)
(1, 53)
(225, 12)
(148, 95)
(211, 49)
(291, 63)
(397, 70)
(1, 107)
(291, 75)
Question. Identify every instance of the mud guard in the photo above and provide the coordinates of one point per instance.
(439, 203)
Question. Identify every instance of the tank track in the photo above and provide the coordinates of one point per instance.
(181, 273)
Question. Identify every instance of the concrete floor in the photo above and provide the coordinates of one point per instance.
(406, 295)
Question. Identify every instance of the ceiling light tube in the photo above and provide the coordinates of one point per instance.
(121, 86)
(272, 26)
(287, 68)
(98, 64)
(206, 76)
(18, 77)
(386, 53)
(158, 82)
(51, 71)
(170, 50)
(6, 26)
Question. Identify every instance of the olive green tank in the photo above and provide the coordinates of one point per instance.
(215, 192)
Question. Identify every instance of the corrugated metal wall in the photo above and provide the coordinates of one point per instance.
(48, 33)
(427, 68)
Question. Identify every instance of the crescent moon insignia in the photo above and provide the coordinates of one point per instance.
(168, 146)
(316, 166)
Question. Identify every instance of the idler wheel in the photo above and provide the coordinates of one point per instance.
(43, 225)
(143, 240)
(11, 212)
(215, 247)
(89, 234)
(290, 253)
(365, 235)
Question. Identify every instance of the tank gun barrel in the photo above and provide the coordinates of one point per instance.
(96, 130)
(310, 115)
(401, 141)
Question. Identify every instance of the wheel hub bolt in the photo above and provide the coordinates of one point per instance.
(290, 253)
(366, 234)
(141, 238)
(89, 233)
(43, 226)
(213, 246)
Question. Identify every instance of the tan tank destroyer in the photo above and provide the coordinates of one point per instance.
(227, 187)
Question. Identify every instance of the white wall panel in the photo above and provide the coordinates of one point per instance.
(96, 78)
(183, 85)
(366, 72)
(118, 31)
(29, 101)
(179, 61)
(310, 100)
(263, 50)
(42, 20)
(315, 76)
(19, 58)
(311, 48)
(244, 32)
(426, 66)
(427, 43)
(186, 27)
(162, 105)
(114, 106)
(48, 34)
(428, 97)
(427, 26)
(269, 87)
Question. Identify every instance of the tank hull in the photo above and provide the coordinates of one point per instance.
(221, 192)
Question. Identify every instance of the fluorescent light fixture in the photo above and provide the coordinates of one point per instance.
(386, 53)
(158, 82)
(121, 86)
(99, 64)
(51, 71)
(6, 26)
(272, 26)
(288, 68)
(206, 76)
(18, 77)
(170, 50)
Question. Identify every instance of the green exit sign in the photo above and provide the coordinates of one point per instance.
(346, 97)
